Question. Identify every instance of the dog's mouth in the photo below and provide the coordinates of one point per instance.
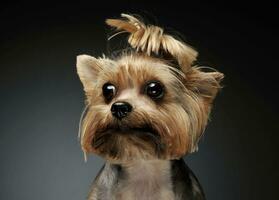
(121, 141)
(144, 132)
(124, 129)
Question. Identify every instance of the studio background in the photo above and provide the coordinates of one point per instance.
(42, 97)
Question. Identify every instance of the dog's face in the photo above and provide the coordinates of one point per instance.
(142, 107)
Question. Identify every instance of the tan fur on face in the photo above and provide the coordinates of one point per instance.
(179, 118)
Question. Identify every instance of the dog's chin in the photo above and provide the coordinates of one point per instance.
(128, 143)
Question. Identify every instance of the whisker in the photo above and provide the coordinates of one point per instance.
(83, 114)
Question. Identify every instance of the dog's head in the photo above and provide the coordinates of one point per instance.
(148, 102)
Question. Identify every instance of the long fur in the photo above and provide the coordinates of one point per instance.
(155, 130)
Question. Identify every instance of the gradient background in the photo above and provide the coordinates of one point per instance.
(42, 98)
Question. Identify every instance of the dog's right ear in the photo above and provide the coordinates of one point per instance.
(88, 68)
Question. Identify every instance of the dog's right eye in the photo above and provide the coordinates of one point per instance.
(109, 91)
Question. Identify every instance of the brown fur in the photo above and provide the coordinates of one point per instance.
(178, 119)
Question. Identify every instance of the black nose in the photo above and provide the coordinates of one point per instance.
(121, 109)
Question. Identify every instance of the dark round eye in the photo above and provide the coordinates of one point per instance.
(109, 91)
(154, 89)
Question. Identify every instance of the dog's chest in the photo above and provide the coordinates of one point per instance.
(145, 180)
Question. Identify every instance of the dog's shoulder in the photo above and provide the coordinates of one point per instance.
(185, 183)
(104, 182)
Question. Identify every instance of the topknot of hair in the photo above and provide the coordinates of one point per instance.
(152, 40)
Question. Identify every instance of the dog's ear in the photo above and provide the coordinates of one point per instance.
(204, 87)
(204, 84)
(88, 68)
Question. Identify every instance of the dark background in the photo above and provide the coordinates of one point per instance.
(42, 98)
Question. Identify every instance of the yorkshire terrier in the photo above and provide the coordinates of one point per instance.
(146, 108)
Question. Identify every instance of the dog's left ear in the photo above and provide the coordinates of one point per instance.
(204, 84)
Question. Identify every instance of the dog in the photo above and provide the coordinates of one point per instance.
(146, 108)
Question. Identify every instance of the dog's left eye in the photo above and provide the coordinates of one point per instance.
(154, 89)
(109, 90)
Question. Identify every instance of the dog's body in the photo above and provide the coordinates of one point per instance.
(145, 110)
(146, 180)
